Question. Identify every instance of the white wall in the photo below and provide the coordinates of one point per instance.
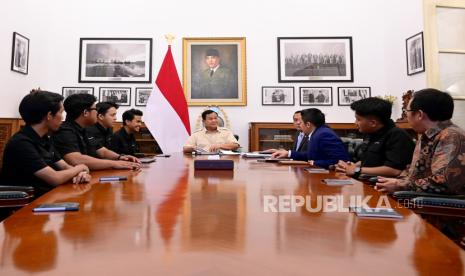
(378, 27)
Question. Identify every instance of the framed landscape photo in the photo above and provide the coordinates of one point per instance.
(214, 71)
(315, 59)
(348, 95)
(277, 95)
(119, 95)
(113, 60)
(415, 54)
(68, 91)
(20, 54)
(316, 96)
(142, 95)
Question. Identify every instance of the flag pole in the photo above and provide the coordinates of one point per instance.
(169, 38)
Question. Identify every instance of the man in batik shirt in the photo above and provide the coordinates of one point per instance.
(438, 163)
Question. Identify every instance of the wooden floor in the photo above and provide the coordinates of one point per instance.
(171, 220)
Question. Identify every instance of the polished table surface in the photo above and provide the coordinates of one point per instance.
(168, 219)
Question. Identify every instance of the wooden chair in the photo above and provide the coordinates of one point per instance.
(13, 198)
(445, 212)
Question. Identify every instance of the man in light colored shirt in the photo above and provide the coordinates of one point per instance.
(211, 138)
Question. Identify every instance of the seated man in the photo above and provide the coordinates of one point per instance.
(386, 149)
(324, 147)
(123, 141)
(30, 159)
(72, 142)
(100, 134)
(300, 139)
(212, 138)
(438, 163)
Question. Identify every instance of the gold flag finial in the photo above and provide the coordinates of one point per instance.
(169, 38)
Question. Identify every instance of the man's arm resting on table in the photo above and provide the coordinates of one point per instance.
(56, 178)
(75, 158)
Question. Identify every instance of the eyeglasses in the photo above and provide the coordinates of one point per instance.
(90, 109)
(410, 110)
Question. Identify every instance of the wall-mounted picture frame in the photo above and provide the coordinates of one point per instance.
(142, 95)
(278, 95)
(415, 54)
(315, 59)
(314, 96)
(68, 91)
(119, 95)
(115, 60)
(214, 71)
(20, 54)
(348, 95)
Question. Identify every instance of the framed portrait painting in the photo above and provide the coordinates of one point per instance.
(277, 95)
(415, 54)
(20, 54)
(68, 91)
(315, 59)
(114, 60)
(119, 95)
(214, 71)
(316, 96)
(348, 95)
(142, 95)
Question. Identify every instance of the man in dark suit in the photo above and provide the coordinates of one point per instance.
(300, 139)
(324, 147)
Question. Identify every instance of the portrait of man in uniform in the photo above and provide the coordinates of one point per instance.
(214, 73)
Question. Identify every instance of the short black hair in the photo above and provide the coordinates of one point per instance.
(103, 107)
(130, 114)
(314, 116)
(35, 106)
(376, 107)
(298, 111)
(438, 105)
(76, 104)
(206, 112)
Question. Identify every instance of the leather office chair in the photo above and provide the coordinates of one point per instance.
(13, 198)
(445, 212)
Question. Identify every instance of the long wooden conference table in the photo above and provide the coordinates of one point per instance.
(168, 219)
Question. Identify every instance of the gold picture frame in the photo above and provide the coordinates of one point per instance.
(214, 71)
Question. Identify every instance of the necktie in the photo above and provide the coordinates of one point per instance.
(211, 73)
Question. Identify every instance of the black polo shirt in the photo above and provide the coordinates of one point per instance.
(26, 153)
(124, 143)
(390, 146)
(71, 137)
(99, 136)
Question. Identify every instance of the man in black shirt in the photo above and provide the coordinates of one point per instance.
(386, 149)
(123, 141)
(72, 142)
(30, 159)
(100, 134)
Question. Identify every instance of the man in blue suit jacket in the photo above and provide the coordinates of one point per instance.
(324, 147)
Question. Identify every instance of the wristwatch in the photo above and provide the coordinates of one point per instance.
(357, 172)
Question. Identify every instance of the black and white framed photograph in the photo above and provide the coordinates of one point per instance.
(415, 54)
(119, 95)
(315, 59)
(316, 96)
(113, 60)
(68, 91)
(348, 95)
(20, 54)
(277, 95)
(142, 95)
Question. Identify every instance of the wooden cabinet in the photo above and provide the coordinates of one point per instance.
(264, 136)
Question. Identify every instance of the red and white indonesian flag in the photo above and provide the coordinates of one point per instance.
(166, 115)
